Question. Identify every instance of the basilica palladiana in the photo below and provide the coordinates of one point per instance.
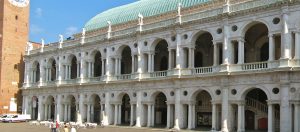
(219, 65)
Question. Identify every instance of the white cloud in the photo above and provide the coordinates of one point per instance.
(70, 31)
(38, 12)
(35, 29)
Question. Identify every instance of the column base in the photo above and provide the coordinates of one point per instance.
(285, 63)
(224, 68)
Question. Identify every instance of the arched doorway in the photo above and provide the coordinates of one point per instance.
(74, 67)
(97, 64)
(96, 109)
(256, 39)
(126, 61)
(256, 110)
(204, 50)
(161, 56)
(36, 72)
(49, 108)
(70, 113)
(126, 110)
(203, 110)
(160, 113)
(35, 106)
(53, 70)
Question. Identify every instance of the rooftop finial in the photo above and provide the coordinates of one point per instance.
(179, 9)
(83, 32)
(141, 19)
(43, 45)
(29, 47)
(83, 36)
(109, 29)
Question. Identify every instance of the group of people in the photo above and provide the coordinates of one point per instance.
(55, 127)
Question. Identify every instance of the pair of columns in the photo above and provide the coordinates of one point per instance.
(191, 116)
(118, 115)
(150, 118)
(67, 112)
(90, 112)
(47, 111)
(91, 69)
(67, 70)
(48, 74)
(151, 62)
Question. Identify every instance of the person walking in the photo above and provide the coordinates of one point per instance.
(66, 129)
(73, 129)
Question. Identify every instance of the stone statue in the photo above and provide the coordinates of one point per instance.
(29, 46)
(43, 43)
(141, 19)
(179, 9)
(109, 26)
(83, 32)
(61, 38)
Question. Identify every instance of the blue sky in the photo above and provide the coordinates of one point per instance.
(49, 18)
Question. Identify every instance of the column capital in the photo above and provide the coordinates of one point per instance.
(215, 42)
(270, 35)
(241, 39)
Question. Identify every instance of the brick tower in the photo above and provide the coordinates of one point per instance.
(14, 25)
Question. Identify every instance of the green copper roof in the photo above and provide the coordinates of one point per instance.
(130, 11)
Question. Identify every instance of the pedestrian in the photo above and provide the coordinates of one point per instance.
(73, 129)
(66, 129)
(57, 126)
(52, 126)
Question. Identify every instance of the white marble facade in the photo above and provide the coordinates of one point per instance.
(236, 71)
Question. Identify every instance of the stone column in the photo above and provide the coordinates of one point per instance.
(119, 114)
(170, 59)
(286, 35)
(102, 68)
(59, 109)
(271, 47)
(169, 116)
(152, 62)
(69, 71)
(227, 45)
(88, 118)
(241, 116)
(270, 118)
(132, 64)
(69, 112)
(116, 66)
(297, 45)
(214, 117)
(241, 51)
(149, 116)
(152, 115)
(191, 57)
(285, 119)
(190, 116)
(131, 114)
(45, 112)
(65, 112)
(40, 109)
(116, 115)
(297, 117)
(194, 116)
(178, 110)
(49, 111)
(139, 109)
(225, 105)
(216, 54)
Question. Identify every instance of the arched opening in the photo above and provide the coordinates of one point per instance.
(161, 56)
(160, 113)
(126, 61)
(36, 71)
(204, 50)
(74, 68)
(35, 106)
(96, 111)
(53, 70)
(256, 110)
(203, 109)
(256, 37)
(98, 65)
(70, 113)
(125, 108)
(50, 108)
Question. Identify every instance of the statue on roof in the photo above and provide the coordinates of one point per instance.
(109, 26)
(141, 19)
(29, 46)
(43, 43)
(179, 9)
(61, 38)
(83, 32)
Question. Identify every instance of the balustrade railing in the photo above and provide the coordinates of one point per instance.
(255, 66)
(125, 77)
(202, 70)
(252, 4)
(158, 74)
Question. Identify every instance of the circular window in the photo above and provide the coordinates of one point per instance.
(233, 91)
(173, 38)
(103, 95)
(79, 54)
(293, 90)
(172, 93)
(135, 45)
(104, 50)
(112, 95)
(185, 93)
(134, 94)
(113, 48)
(219, 30)
(145, 43)
(234, 28)
(145, 94)
(185, 36)
(275, 90)
(218, 92)
(276, 20)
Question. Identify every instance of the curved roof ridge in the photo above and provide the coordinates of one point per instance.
(129, 12)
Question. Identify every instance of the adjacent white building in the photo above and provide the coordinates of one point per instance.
(220, 65)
